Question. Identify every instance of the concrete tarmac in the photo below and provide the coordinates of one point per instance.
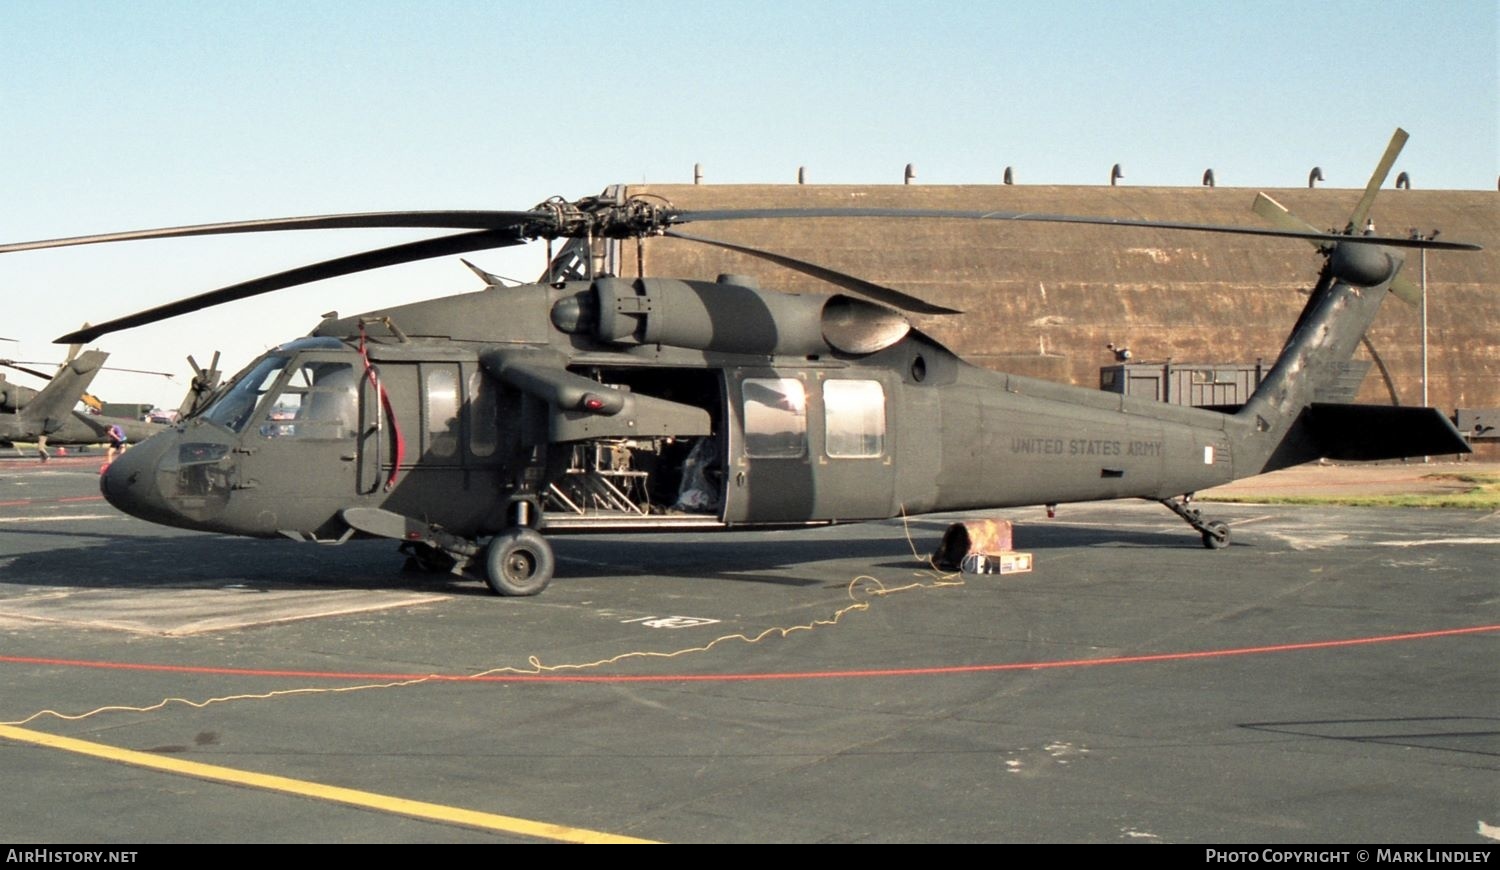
(1328, 678)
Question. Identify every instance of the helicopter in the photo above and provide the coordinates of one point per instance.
(471, 427)
(48, 416)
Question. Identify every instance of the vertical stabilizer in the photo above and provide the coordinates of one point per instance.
(1285, 426)
(1326, 336)
(54, 403)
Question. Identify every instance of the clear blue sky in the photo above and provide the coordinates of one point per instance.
(121, 115)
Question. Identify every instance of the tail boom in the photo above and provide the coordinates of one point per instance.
(1285, 426)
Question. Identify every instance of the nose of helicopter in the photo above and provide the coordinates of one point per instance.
(130, 482)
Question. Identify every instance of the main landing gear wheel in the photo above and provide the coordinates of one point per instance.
(518, 562)
(1216, 535)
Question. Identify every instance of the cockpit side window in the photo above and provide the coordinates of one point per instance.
(319, 400)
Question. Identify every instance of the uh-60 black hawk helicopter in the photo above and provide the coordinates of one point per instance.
(581, 405)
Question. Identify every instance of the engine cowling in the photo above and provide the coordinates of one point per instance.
(729, 316)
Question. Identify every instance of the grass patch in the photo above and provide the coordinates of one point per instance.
(1482, 493)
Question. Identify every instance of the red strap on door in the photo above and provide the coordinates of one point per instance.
(397, 444)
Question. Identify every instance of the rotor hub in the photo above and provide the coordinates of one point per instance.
(596, 217)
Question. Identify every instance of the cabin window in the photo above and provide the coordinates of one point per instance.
(854, 412)
(775, 417)
(318, 401)
(483, 432)
(442, 410)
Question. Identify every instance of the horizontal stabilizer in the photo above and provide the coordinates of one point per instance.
(1366, 432)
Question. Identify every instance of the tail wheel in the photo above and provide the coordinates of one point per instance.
(518, 562)
(1216, 535)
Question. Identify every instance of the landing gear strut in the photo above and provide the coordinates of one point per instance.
(1215, 533)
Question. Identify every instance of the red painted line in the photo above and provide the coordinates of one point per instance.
(793, 675)
(23, 502)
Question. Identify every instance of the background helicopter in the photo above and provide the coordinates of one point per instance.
(595, 403)
(50, 416)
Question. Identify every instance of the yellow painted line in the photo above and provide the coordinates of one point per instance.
(303, 788)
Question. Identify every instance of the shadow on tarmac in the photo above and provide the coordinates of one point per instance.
(110, 561)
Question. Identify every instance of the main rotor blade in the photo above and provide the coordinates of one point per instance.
(405, 253)
(681, 217)
(859, 286)
(474, 220)
(1377, 178)
(20, 367)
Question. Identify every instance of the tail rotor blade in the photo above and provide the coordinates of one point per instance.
(204, 382)
(1405, 290)
(1273, 212)
(1276, 214)
(1362, 211)
(77, 347)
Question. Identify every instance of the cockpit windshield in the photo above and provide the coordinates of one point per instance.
(235, 407)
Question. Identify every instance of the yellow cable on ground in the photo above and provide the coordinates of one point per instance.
(871, 587)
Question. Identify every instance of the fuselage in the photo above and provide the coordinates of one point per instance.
(441, 422)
